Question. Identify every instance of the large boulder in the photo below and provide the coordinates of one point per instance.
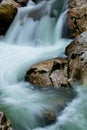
(77, 17)
(77, 55)
(7, 14)
(51, 73)
(5, 123)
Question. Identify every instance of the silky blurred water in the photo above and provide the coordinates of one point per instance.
(36, 35)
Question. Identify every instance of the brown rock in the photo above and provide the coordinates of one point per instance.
(77, 54)
(5, 123)
(49, 117)
(77, 3)
(7, 14)
(49, 73)
(77, 17)
(10, 2)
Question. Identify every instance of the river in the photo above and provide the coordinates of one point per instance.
(36, 35)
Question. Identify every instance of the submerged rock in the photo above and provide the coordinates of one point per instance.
(7, 14)
(5, 123)
(77, 17)
(77, 54)
(49, 117)
(51, 73)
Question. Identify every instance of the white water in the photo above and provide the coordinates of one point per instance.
(27, 42)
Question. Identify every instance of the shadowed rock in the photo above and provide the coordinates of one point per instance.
(7, 14)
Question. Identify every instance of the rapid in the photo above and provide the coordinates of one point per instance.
(36, 35)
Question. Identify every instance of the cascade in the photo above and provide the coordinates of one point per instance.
(35, 35)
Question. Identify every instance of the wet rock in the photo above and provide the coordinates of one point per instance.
(10, 2)
(22, 2)
(5, 123)
(77, 3)
(51, 73)
(7, 14)
(77, 54)
(77, 17)
(49, 117)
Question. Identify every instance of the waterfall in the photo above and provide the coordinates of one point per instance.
(35, 35)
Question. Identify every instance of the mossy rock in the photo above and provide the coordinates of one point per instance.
(7, 14)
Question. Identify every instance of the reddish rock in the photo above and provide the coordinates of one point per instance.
(77, 55)
(51, 73)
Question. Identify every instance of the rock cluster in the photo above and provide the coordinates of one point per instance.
(60, 71)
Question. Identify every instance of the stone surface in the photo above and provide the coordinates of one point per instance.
(10, 2)
(77, 17)
(22, 2)
(77, 54)
(5, 123)
(7, 14)
(49, 117)
(49, 73)
(77, 3)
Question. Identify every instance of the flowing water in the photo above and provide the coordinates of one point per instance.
(36, 35)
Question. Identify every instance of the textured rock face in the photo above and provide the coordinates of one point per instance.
(49, 117)
(5, 124)
(7, 14)
(77, 17)
(49, 73)
(77, 54)
(77, 3)
(10, 2)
